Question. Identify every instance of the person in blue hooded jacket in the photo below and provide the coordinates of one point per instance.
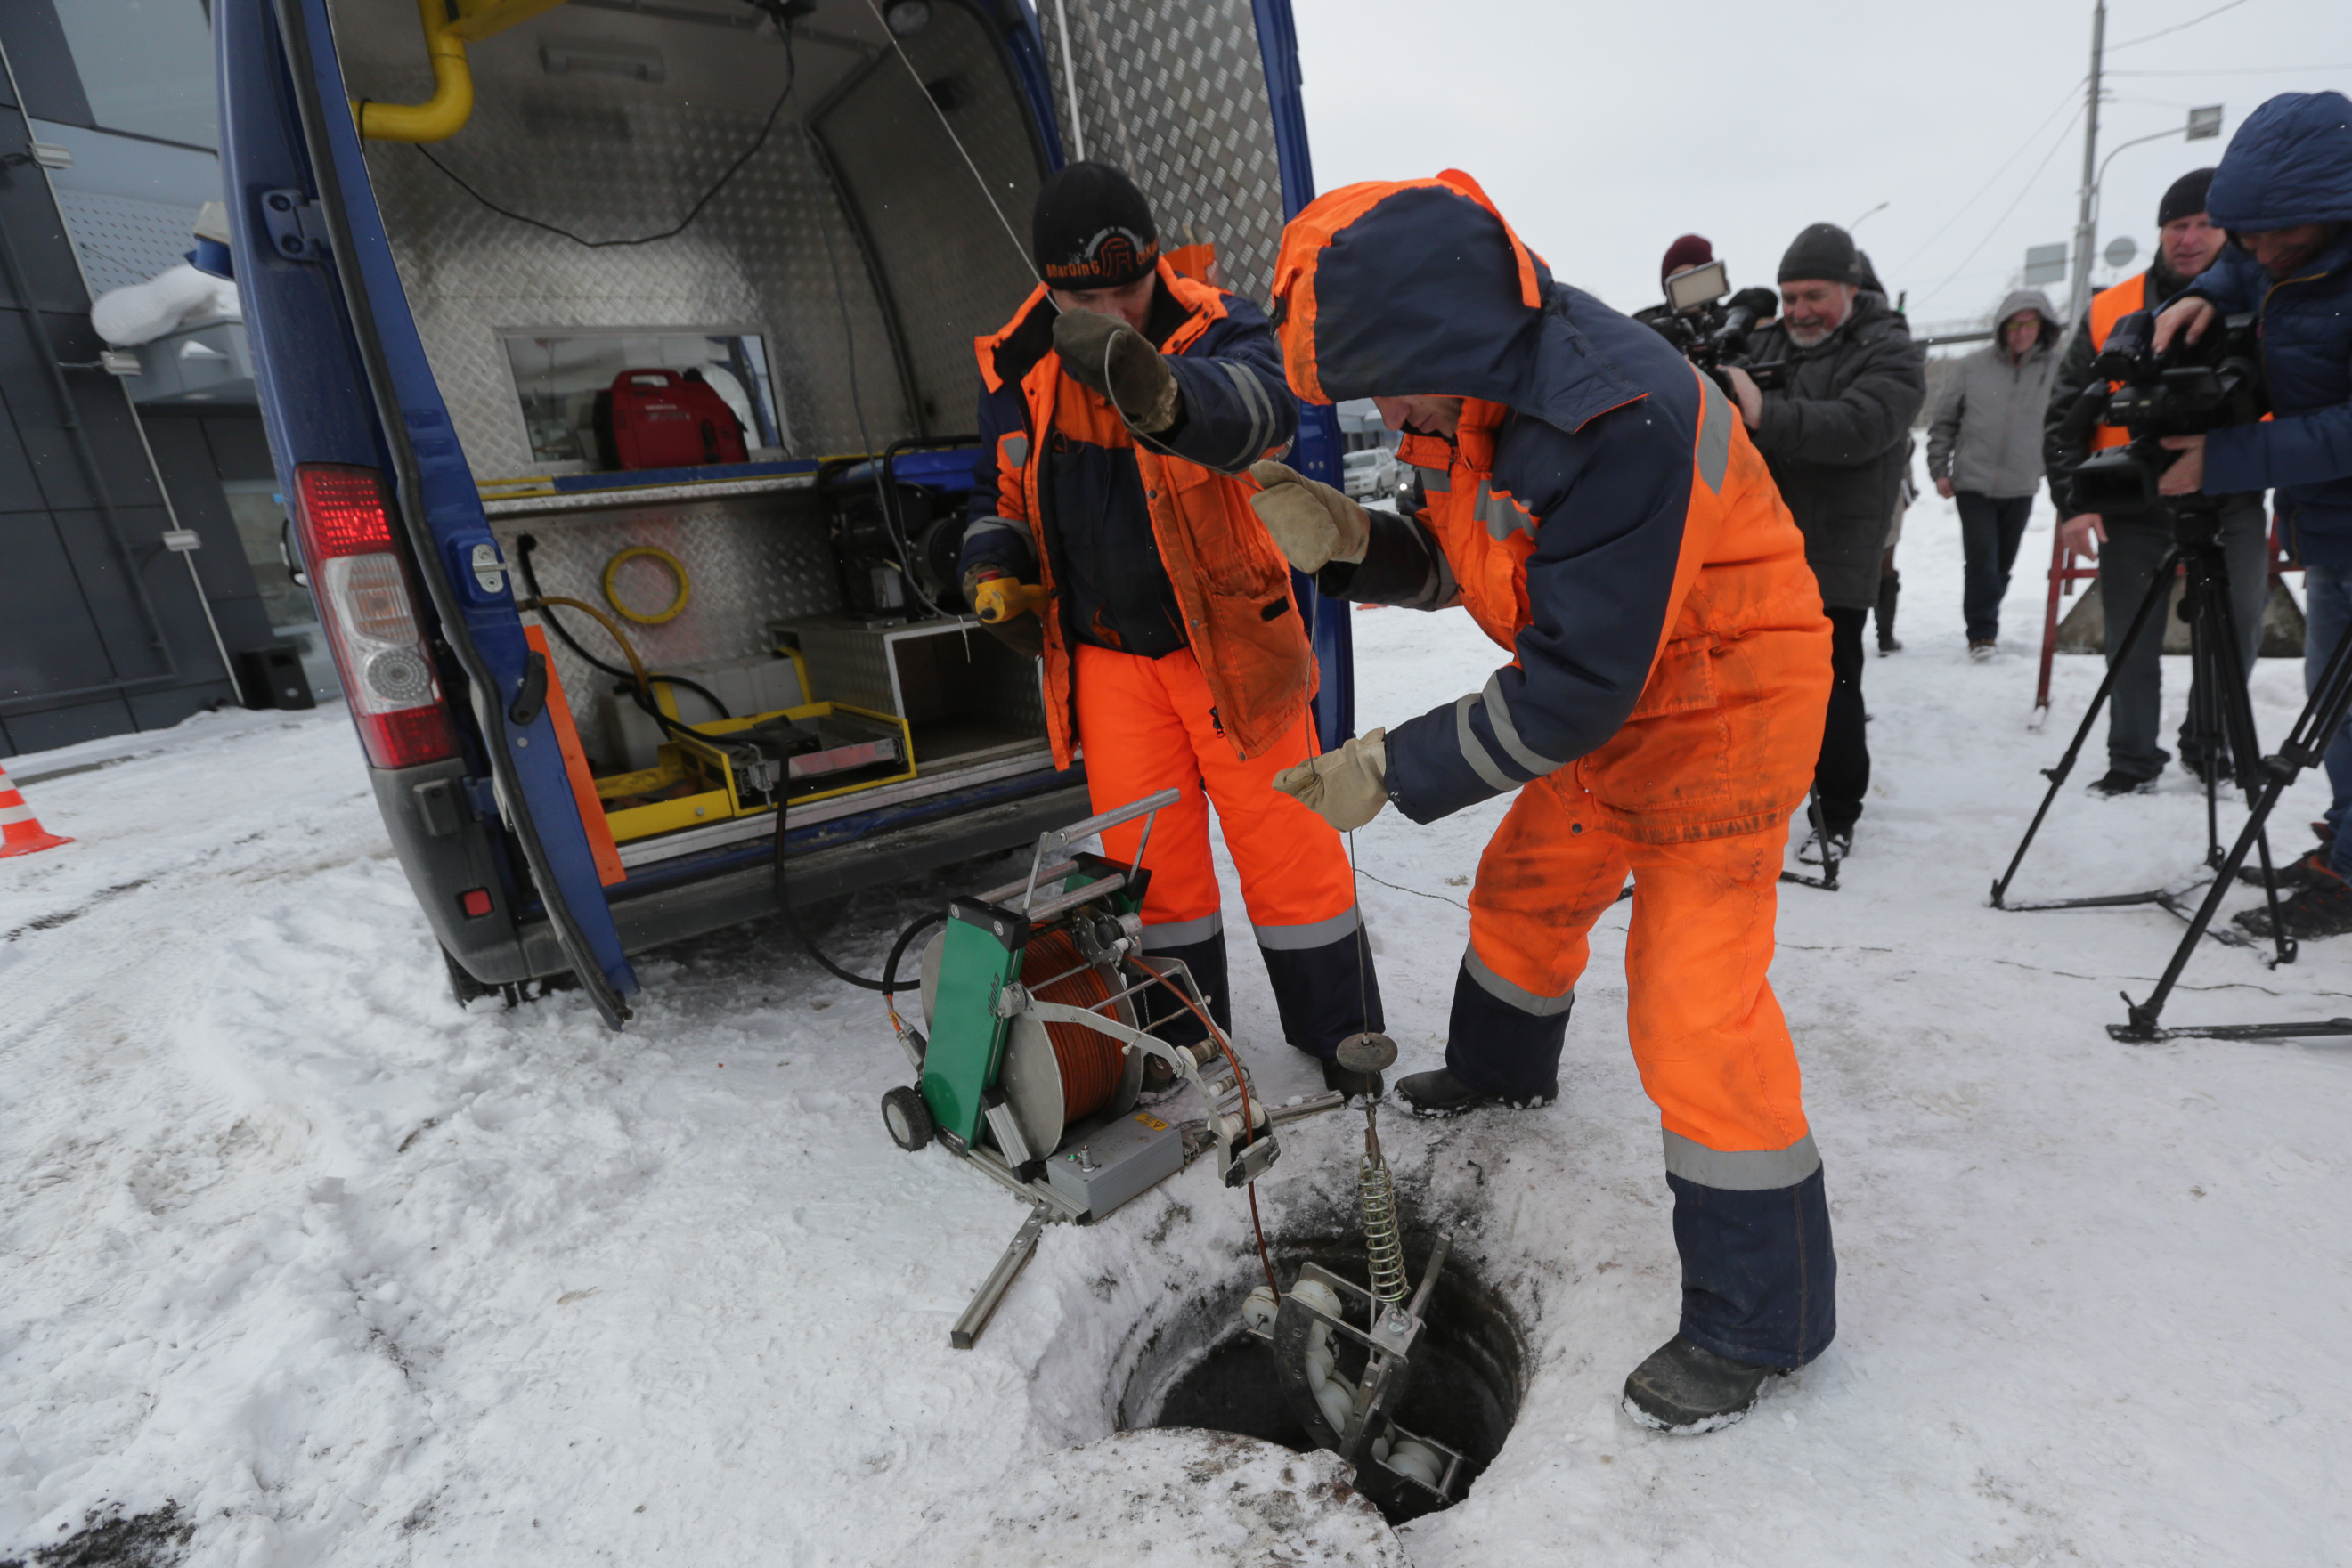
(2283, 191)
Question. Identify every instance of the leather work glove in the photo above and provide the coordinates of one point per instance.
(1346, 788)
(1107, 354)
(1024, 634)
(1312, 524)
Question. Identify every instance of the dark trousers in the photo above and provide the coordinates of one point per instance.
(1990, 527)
(2136, 546)
(1842, 774)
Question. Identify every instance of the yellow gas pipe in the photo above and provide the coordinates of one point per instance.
(444, 114)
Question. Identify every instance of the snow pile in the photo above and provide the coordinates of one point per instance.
(351, 1275)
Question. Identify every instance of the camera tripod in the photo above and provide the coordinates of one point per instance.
(2221, 716)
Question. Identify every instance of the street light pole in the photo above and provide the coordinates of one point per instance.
(2078, 297)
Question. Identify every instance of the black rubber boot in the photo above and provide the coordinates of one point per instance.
(1440, 1094)
(1890, 588)
(1354, 1085)
(1687, 1389)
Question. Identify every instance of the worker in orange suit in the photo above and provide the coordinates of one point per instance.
(1594, 503)
(1118, 406)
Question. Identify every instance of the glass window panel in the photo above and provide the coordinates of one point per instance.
(146, 66)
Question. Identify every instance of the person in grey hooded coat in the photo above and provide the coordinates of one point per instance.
(1984, 450)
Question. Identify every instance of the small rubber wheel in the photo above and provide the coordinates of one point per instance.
(908, 1119)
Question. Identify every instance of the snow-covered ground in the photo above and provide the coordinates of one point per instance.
(346, 1275)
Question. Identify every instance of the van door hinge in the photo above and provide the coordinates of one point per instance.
(297, 230)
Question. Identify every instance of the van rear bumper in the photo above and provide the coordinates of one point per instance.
(445, 851)
(692, 909)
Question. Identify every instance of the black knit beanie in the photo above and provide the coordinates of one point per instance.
(1092, 229)
(1824, 251)
(2186, 198)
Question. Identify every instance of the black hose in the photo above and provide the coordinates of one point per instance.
(888, 984)
(524, 545)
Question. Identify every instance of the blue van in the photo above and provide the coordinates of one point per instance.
(615, 357)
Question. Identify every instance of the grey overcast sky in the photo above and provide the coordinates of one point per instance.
(1604, 129)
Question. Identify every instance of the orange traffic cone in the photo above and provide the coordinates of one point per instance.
(20, 834)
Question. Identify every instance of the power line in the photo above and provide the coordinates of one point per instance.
(2177, 26)
(2242, 71)
(2023, 148)
(2023, 193)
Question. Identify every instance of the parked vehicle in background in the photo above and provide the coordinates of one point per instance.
(1371, 473)
(604, 705)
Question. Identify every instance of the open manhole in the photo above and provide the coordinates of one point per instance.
(1203, 1370)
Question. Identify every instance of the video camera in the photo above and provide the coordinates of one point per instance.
(1710, 329)
(2191, 388)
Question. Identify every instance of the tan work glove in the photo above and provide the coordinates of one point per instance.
(1346, 788)
(1107, 354)
(1312, 524)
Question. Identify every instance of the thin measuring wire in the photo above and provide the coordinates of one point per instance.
(978, 178)
(2177, 26)
(2023, 191)
(2023, 148)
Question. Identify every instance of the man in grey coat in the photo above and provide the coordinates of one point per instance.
(1836, 438)
(1984, 451)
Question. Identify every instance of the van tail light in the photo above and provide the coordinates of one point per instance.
(369, 612)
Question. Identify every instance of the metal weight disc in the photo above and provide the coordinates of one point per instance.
(1367, 1053)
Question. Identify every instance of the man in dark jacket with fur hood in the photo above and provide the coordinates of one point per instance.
(1836, 439)
(2284, 192)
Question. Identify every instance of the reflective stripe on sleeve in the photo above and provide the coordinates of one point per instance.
(1740, 1170)
(1261, 408)
(1474, 750)
(1315, 934)
(1500, 514)
(1498, 713)
(1016, 451)
(990, 525)
(1435, 481)
(1182, 933)
(1715, 432)
(1518, 996)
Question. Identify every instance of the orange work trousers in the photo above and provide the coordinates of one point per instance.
(1149, 724)
(1707, 1034)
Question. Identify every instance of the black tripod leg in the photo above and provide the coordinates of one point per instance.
(2157, 592)
(2322, 717)
(2216, 625)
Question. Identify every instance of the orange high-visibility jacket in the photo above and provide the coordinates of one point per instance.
(1600, 511)
(1232, 585)
(2109, 306)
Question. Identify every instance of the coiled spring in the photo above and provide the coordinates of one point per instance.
(1376, 1194)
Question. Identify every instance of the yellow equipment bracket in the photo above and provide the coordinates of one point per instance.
(1000, 599)
(720, 804)
(446, 113)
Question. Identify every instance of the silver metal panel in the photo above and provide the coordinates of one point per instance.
(752, 560)
(1174, 91)
(939, 238)
(608, 158)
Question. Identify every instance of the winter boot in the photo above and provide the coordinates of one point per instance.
(1686, 1388)
(1440, 1094)
(1890, 588)
(1354, 1085)
(2324, 908)
(2119, 782)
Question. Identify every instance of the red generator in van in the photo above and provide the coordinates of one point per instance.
(660, 418)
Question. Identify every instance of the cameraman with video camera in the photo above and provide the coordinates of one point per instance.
(2284, 193)
(2128, 545)
(1836, 435)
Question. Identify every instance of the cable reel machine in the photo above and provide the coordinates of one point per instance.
(1036, 1052)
